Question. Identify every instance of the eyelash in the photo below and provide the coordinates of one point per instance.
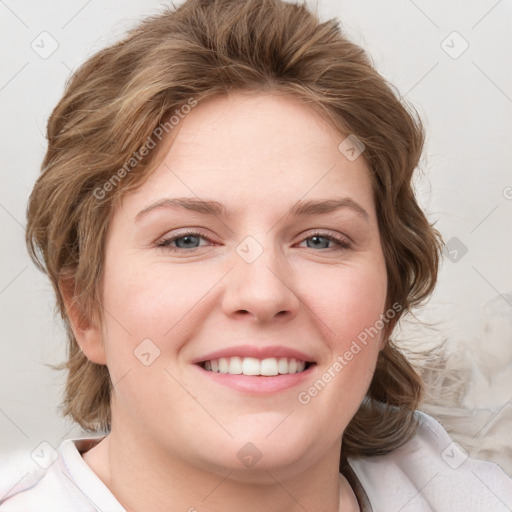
(165, 243)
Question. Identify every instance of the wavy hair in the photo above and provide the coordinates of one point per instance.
(114, 102)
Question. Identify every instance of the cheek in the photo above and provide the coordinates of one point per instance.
(150, 302)
(349, 301)
(351, 311)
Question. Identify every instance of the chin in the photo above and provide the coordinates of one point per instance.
(252, 458)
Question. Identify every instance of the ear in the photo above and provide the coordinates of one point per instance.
(87, 331)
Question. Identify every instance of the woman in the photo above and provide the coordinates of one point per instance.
(226, 214)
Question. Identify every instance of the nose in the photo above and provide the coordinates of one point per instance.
(262, 290)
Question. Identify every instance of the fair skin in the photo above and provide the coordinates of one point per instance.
(177, 428)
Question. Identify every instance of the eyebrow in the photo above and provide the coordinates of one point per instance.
(301, 208)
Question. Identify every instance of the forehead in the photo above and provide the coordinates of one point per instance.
(255, 150)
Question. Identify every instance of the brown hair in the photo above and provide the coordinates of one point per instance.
(116, 100)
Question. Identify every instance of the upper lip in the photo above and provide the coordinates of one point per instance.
(257, 352)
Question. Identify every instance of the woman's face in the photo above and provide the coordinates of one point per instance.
(269, 280)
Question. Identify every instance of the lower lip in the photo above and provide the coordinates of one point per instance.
(258, 384)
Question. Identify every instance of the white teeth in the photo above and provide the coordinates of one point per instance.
(282, 365)
(223, 365)
(252, 366)
(235, 365)
(269, 366)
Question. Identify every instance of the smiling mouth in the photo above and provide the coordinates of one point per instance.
(268, 367)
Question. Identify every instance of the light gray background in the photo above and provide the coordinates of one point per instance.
(466, 103)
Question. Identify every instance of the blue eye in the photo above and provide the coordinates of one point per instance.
(183, 241)
(191, 240)
(319, 239)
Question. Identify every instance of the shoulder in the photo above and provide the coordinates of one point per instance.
(57, 481)
(431, 472)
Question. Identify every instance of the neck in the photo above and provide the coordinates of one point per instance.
(142, 477)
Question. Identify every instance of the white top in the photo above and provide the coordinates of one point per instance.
(429, 473)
